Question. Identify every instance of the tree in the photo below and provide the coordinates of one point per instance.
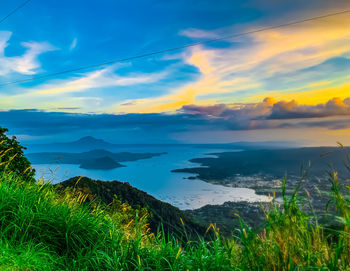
(12, 158)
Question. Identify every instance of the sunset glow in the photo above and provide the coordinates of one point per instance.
(300, 66)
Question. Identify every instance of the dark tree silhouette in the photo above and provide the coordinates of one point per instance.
(12, 158)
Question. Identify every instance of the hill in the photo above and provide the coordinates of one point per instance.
(83, 144)
(88, 140)
(269, 162)
(163, 214)
(103, 163)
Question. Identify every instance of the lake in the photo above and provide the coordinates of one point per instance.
(154, 176)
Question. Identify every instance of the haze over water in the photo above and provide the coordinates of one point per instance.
(154, 176)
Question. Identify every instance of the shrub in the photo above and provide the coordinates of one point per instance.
(12, 158)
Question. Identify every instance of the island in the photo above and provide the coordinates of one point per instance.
(95, 159)
(103, 163)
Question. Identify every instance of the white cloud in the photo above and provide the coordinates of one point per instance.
(98, 79)
(198, 33)
(26, 63)
(73, 45)
(74, 92)
(4, 37)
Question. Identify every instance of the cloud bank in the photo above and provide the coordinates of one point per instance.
(271, 109)
(263, 116)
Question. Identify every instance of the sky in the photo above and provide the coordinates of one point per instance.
(290, 83)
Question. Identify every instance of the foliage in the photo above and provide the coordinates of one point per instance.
(163, 216)
(12, 158)
(41, 229)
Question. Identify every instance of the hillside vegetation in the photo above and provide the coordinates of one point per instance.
(41, 230)
(44, 230)
(162, 216)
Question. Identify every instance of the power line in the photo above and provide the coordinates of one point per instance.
(174, 48)
(15, 10)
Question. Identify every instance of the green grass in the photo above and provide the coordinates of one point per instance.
(42, 230)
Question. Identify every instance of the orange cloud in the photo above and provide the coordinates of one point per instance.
(271, 109)
(244, 67)
(311, 97)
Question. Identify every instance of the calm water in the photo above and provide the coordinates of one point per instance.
(154, 176)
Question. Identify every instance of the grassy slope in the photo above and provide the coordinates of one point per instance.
(163, 214)
(41, 230)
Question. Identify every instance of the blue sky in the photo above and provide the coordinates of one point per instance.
(307, 64)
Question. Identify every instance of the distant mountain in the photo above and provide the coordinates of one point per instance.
(89, 140)
(162, 213)
(86, 143)
(89, 143)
